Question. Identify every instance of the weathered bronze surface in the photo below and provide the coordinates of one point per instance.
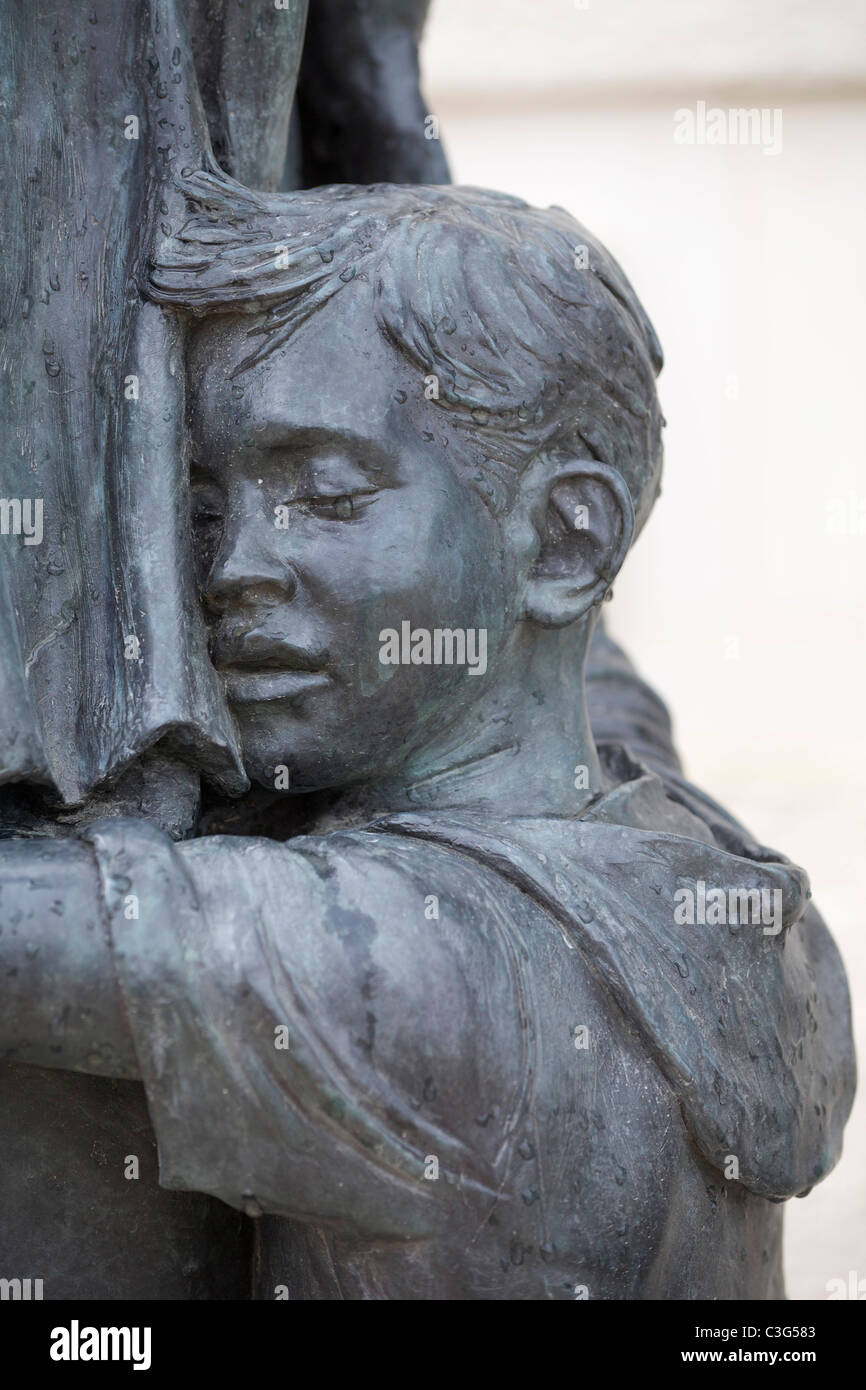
(361, 936)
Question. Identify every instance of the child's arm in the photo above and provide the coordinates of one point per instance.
(61, 1003)
(306, 1036)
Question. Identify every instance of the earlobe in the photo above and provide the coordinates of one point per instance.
(585, 523)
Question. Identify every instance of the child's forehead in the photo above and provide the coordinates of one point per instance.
(322, 394)
(308, 391)
(344, 330)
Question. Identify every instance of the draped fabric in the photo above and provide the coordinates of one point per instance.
(102, 649)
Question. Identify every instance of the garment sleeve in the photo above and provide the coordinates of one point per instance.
(313, 1041)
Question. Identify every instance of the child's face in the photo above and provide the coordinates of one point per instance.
(376, 528)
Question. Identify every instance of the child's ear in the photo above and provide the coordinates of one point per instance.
(584, 520)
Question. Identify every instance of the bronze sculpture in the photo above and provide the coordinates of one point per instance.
(422, 1014)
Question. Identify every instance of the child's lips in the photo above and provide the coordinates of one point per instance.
(256, 665)
(244, 685)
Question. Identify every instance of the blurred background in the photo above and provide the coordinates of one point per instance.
(744, 600)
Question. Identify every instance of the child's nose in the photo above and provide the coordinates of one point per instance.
(248, 565)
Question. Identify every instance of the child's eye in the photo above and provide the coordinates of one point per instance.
(345, 507)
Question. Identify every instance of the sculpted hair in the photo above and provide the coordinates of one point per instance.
(536, 338)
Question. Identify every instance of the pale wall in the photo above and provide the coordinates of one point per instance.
(741, 602)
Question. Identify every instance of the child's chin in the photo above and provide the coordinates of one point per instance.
(292, 775)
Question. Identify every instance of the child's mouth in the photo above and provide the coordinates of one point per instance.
(245, 685)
